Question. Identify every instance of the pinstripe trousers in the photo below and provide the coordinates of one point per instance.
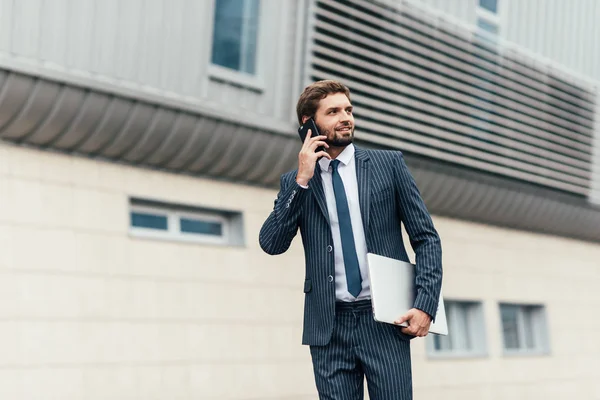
(362, 347)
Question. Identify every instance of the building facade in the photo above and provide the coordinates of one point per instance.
(141, 148)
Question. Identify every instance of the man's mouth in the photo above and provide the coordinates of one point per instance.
(345, 129)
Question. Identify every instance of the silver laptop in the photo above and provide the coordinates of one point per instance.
(393, 292)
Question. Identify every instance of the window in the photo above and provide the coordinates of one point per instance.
(488, 20)
(488, 24)
(235, 34)
(192, 225)
(523, 328)
(489, 5)
(146, 219)
(151, 219)
(466, 333)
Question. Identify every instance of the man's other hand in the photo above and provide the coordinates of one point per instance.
(418, 322)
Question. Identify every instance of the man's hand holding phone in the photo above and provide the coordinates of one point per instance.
(308, 156)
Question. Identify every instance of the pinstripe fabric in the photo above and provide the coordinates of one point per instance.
(361, 347)
(388, 196)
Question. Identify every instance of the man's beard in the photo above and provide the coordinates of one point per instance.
(337, 140)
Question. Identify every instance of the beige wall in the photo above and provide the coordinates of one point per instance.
(490, 264)
(88, 312)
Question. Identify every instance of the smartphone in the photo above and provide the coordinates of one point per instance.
(303, 131)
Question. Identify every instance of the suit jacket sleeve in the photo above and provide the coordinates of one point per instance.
(281, 226)
(424, 239)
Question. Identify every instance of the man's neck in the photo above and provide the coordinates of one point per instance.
(335, 151)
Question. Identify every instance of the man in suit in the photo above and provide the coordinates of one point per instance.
(348, 202)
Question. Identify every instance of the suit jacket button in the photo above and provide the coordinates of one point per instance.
(330, 277)
(329, 248)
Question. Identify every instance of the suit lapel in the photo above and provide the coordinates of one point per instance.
(316, 184)
(363, 176)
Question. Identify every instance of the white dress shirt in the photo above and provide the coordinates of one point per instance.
(347, 171)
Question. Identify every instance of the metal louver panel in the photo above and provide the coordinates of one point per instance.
(439, 92)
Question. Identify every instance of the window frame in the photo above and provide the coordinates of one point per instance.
(535, 315)
(237, 77)
(173, 231)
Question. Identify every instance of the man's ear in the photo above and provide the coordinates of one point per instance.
(304, 119)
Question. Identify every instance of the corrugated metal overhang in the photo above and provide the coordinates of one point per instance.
(139, 130)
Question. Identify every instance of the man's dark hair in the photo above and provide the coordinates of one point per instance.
(308, 103)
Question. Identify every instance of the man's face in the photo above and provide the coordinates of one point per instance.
(334, 119)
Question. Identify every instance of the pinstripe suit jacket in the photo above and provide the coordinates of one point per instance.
(388, 196)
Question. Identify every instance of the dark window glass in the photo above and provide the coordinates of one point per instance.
(490, 5)
(149, 221)
(510, 326)
(235, 33)
(189, 225)
(529, 327)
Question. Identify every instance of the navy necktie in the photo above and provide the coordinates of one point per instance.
(348, 247)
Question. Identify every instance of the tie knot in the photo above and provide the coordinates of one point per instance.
(334, 164)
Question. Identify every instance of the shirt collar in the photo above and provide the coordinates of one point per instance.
(345, 157)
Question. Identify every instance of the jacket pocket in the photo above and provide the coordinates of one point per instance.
(307, 285)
